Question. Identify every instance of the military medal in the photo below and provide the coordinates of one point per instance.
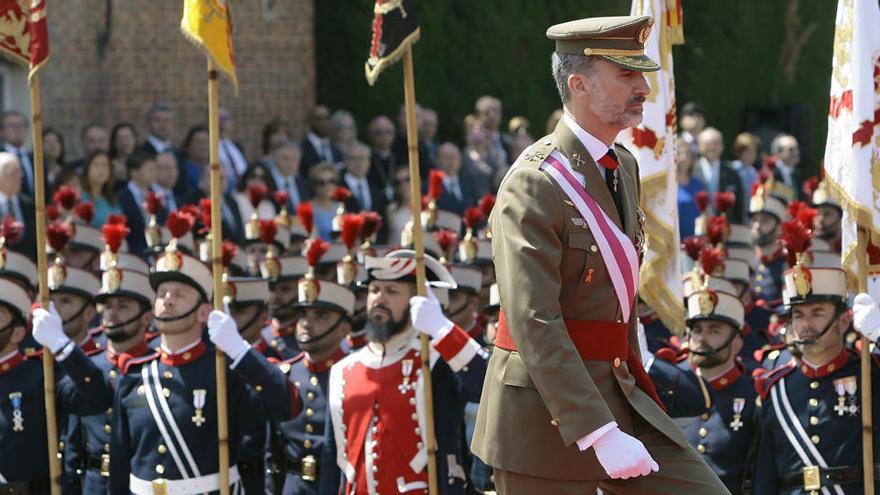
(851, 387)
(406, 370)
(17, 418)
(614, 180)
(840, 387)
(199, 403)
(738, 405)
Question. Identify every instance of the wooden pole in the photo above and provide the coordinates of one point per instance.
(867, 406)
(217, 270)
(412, 138)
(40, 226)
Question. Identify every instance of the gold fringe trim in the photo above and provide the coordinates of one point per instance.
(391, 58)
(652, 276)
(864, 220)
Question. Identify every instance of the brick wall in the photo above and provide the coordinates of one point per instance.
(96, 74)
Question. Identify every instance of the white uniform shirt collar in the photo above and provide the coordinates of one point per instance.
(160, 145)
(597, 149)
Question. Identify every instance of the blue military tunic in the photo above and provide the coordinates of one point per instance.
(299, 443)
(284, 342)
(767, 280)
(725, 435)
(165, 417)
(79, 389)
(682, 392)
(87, 450)
(811, 417)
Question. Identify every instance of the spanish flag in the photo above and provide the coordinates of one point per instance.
(208, 24)
(23, 33)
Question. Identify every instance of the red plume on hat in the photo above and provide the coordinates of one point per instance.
(435, 183)
(350, 228)
(487, 202)
(205, 214)
(281, 197)
(341, 194)
(256, 193)
(52, 212)
(724, 201)
(795, 238)
(702, 200)
(116, 218)
(712, 260)
(114, 234)
(306, 216)
(229, 250)
(153, 203)
(371, 222)
(58, 234)
(717, 230)
(179, 223)
(316, 250)
(472, 217)
(693, 246)
(798, 210)
(10, 231)
(268, 230)
(66, 197)
(448, 242)
(810, 186)
(85, 211)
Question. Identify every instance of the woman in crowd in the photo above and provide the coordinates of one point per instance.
(478, 160)
(196, 148)
(98, 186)
(123, 139)
(688, 187)
(53, 153)
(399, 211)
(256, 175)
(747, 148)
(324, 178)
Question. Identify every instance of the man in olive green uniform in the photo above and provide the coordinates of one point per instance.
(566, 406)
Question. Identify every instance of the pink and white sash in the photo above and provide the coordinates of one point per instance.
(618, 251)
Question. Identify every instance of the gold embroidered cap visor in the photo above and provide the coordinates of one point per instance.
(619, 40)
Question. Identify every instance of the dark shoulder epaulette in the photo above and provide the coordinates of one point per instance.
(764, 381)
(288, 363)
(761, 354)
(146, 358)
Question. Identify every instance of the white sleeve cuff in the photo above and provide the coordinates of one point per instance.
(588, 441)
(238, 357)
(444, 330)
(647, 365)
(65, 351)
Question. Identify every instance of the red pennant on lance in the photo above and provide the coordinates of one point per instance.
(395, 27)
(23, 32)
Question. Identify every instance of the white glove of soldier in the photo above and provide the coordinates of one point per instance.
(427, 315)
(223, 332)
(623, 456)
(48, 329)
(866, 316)
(647, 357)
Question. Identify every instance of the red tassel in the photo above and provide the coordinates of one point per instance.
(256, 193)
(435, 183)
(702, 200)
(153, 203)
(116, 219)
(371, 222)
(487, 203)
(341, 194)
(317, 249)
(11, 230)
(66, 197)
(85, 211)
(472, 217)
(179, 223)
(229, 251)
(693, 246)
(306, 216)
(350, 227)
(113, 234)
(58, 234)
(282, 197)
(268, 230)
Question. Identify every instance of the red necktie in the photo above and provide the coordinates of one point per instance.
(609, 161)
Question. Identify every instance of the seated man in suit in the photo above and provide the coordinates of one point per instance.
(142, 174)
(716, 174)
(160, 124)
(14, 131)
(13, 204)
(316, 147)
(167, 173)
(284, 174)
(458, 192)
(365, 194)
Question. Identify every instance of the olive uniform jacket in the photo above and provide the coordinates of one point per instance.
(539, 401)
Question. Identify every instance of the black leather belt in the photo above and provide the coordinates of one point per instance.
(40, 485)
(306, 468)
(99, 463)
(814, 478)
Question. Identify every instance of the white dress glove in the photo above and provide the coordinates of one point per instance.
(48, 329)
(223, 332)
(866, 316)
(427, 315)
(623, 456)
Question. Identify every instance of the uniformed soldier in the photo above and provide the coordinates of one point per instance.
(283, 274)
(828, 221)
(567, 405)
(126, 299)
(464, 301)
(79, 389)
(375, 432)
(326, 310)
(767, 212)
(490, 311)
(164, 432)
(810, 439)
(22, 271)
